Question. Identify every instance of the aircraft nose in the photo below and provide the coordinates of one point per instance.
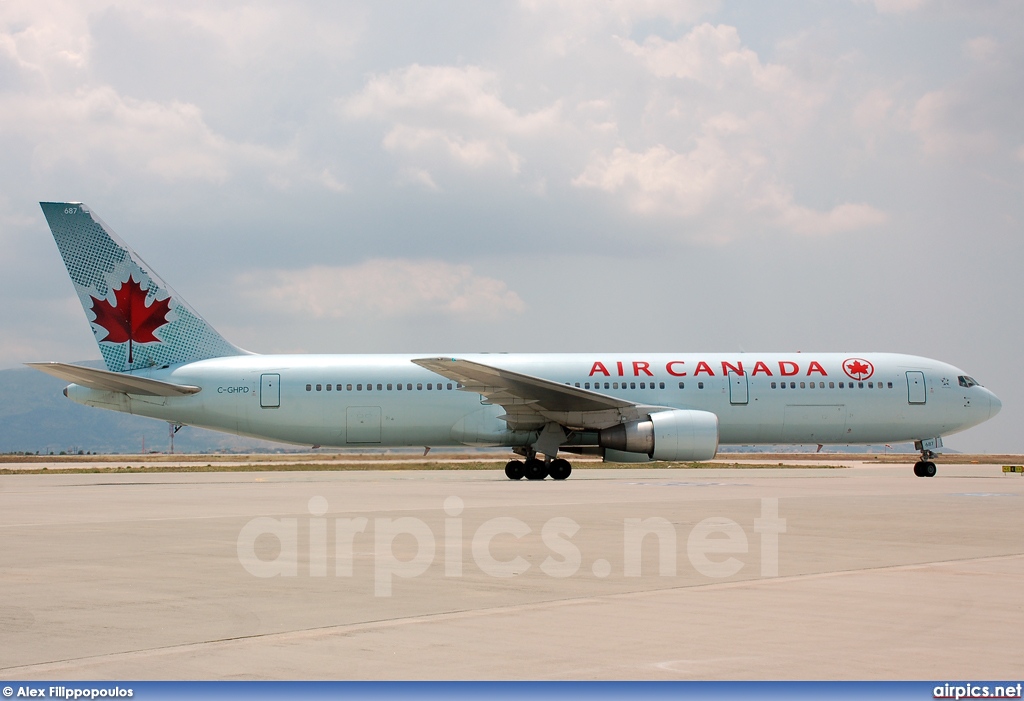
(994, 404)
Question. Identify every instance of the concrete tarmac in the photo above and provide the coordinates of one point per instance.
(860, 573)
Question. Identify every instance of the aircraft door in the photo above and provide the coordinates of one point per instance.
(362, 424)
(916, 393)
(738, 393)
(270, 391)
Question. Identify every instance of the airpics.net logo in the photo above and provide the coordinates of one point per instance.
(406, 547)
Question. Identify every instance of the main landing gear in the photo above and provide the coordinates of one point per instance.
(925, 467)
(536, 469)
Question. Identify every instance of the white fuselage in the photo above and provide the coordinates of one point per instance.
(355, 400)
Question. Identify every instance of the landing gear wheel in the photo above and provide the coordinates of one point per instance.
(925, 467)
(559, 469)
(535, 469)
(514, 469)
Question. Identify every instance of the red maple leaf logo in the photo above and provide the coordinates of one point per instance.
(858, 369)
(129, 319)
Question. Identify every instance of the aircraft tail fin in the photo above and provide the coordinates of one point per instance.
(138, 320)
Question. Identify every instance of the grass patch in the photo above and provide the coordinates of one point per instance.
(395, 467)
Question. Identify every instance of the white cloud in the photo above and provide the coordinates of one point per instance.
(897, 7)
(873, 110)
(471, 153)
(565, 25)
(688, 185)
(330, 182)
(100, 131)
(660, 180)
(418, 176)
(981, 49)
(441, 96)
(248, 31)
(46, 38)
(730, 74)
(713, 55)
(726, 123)
(805, 221)
(945, 122)
(77, 121)
(447, 115)
(625, 11)
(380, 289)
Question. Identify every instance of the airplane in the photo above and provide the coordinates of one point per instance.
(164, 361)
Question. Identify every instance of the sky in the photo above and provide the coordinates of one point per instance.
(605, 176)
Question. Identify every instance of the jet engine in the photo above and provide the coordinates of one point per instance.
(675, 434)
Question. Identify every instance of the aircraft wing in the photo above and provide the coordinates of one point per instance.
(530, 402)
(113, 381)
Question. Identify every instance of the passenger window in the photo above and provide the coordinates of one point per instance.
(632, 385)
(700, 385)
(586, 385)
(661, 385)
(309, 388)
(831, 385)
(871, 385)
(890, 385)
(430, 385)
(419, 385)
(802, 386)
(773, 385)
(379, 387)
(681, 385)
(399, 386)
(577, 384)
(842, 385)
(449, 385)
(389, 387)
(615, 385)
(643, 385)
(792, 385)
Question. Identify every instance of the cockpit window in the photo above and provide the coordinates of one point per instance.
(966, 381)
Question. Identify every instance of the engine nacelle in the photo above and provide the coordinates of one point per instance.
(676, 434)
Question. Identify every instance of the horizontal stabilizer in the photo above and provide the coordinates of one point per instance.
(106, 381)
